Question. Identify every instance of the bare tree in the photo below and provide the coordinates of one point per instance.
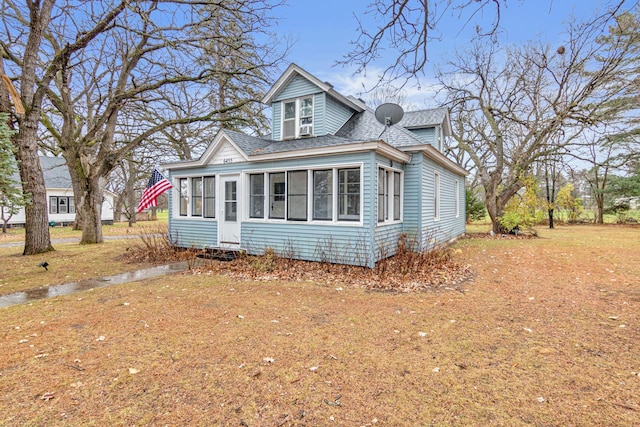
(33, 63)
(407, 27)
(143, 68)
(511, 107)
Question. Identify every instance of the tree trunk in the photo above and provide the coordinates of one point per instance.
(37, 239)
(88, 187)
(600, 206)
(93, 195)
(550, 218)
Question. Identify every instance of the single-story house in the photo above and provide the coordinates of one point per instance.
(331, 182)
(61, 205)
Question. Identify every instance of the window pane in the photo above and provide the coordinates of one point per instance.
(209, 197)
(196, 196)
(306, 107)
(53, 205)
(290, 110)
(383, 198)
(323, 194)
(276, 195)
(230, 201)
(184, 198)
(297, 195)
(62, 205)
(349, 194)
(289, 120)
(256, 196)
(72, 205)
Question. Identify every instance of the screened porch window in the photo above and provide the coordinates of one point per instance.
(196, 196)
(276, 195)
(184, 195)
(306, 195)
(323, 194)
(209, 196)
(349, 194)
(256, 195)
(297, 195)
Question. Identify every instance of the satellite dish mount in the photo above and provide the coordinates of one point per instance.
(389, 114)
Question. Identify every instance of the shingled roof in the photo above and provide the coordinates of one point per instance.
(55, 172)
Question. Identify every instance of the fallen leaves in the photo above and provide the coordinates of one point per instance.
(48, 396)
(410, 272)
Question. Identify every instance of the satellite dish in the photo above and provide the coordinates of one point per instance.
(389, 114)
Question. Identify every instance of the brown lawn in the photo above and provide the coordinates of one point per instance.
(546, 334)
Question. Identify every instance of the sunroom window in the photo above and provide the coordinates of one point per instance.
(349, 194)
(184, 195)
(197, 196)
(329, 194)
(297, 195)
(209, 196)
(276, 195)
(256, 195)
(389, 195)
(323, 194)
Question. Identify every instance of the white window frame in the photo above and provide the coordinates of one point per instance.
(189, 213)
(335, 197)
(298, 116)
(389, 194)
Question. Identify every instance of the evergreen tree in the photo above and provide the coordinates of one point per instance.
(11, 198)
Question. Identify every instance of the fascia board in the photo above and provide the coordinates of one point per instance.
(381, 148)
(438, 157)
(204, 159)
(294, 69)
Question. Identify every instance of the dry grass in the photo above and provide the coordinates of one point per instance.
(70, 262)
(546, 334)
(117, 229)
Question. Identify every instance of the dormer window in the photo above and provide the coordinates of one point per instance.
(297, 118)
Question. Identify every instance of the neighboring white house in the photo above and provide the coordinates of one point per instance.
(61, 205)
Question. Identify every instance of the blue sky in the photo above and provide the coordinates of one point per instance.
(325, 28)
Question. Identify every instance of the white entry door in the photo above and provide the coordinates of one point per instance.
(229, 219)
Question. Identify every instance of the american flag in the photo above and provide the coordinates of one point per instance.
(157, 185)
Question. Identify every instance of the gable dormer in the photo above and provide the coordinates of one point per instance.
(304, 106)
(430, 126)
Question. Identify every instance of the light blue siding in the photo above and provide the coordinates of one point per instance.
(448, 227)
(428, 135)
(336, 115)
(386, 240)
(194, 233)
(297, 87)
(335, 244)
(413, 193)
(276, 123)
(319, 118)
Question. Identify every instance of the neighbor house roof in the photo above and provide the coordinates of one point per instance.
(55, 172)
